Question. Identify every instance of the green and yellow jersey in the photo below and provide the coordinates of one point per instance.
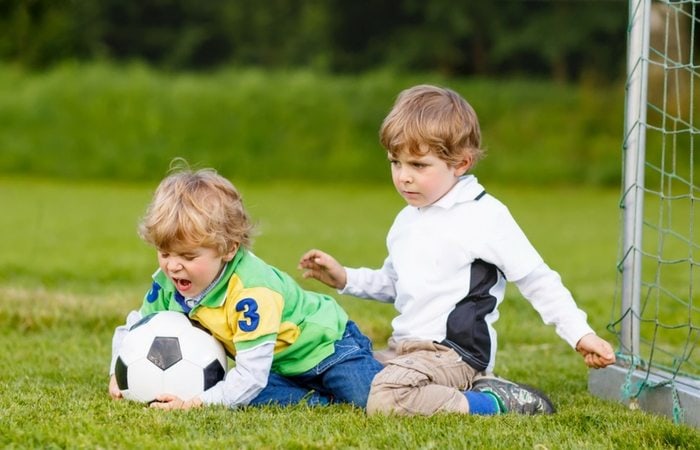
(254, 303)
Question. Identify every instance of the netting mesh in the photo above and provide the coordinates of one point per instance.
(667, 319)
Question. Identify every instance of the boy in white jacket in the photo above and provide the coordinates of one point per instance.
(451, 251)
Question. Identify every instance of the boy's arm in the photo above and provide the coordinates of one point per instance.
(362, 282)
(119, 333)
(242, 384)
(252, 321)
(245, 381)
(155, 300)
(543, 288)
(372, 284)
(375, 284)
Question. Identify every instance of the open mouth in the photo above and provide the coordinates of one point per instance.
(181, 284)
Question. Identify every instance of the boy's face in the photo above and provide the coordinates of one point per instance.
(192, 269)
(423, 180)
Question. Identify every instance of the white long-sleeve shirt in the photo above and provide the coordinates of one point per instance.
(446, 274)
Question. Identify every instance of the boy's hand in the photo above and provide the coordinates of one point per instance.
(114, 390)
(324, 268)
(167, 401)
(597, 352)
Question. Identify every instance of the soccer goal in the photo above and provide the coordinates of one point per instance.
(656, 312)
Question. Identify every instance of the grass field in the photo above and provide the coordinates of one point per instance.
(71, 267)
(96, 121)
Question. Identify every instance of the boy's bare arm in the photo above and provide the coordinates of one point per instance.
(596, 352)
(324, 268)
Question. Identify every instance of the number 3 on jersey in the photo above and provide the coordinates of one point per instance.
(251, 318)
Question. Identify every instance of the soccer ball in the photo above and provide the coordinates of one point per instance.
(165, 353)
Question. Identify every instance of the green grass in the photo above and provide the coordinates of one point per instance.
(71, 267)
(96, 121)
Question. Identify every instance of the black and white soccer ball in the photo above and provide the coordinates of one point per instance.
(165, 353)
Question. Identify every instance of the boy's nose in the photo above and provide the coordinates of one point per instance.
(174, 266)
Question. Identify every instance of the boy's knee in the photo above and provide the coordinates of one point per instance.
(381, 401)
(390, 398)
(406, 389)
(393, 389)
(406, 400)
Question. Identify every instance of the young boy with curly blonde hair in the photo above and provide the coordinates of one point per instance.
(451, 251)
(289, 344)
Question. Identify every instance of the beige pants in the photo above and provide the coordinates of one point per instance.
(420, 378)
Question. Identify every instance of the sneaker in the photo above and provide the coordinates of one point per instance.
(514, 397)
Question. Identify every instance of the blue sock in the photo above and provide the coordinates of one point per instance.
(482, 403)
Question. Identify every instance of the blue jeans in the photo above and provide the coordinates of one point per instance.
(343, 377)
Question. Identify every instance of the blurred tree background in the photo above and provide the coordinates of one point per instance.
(559, 39)
(112, 89)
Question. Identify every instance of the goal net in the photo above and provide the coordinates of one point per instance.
(656, 313)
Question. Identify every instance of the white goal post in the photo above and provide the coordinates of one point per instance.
(656, 313)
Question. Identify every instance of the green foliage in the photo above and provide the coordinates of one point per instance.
(72, 267)
(99, 121)
(450, 36)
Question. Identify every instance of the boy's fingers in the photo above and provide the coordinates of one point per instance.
(598, 360)
(305, 256)
(605, 351)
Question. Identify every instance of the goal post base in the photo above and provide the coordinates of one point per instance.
(657, 396)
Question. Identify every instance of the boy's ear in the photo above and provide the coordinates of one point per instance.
(462, 167)
(229, 256)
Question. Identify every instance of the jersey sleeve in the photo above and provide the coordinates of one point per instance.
(119, 333)
(552, 300)
(155, 300)
(245, 381)
(376, 284)
(508, 247)
(255, 317)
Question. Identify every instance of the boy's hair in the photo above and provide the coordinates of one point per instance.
(428, 118)
(198, 208)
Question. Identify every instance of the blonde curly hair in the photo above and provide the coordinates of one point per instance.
(196, 208)
(428, 118)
